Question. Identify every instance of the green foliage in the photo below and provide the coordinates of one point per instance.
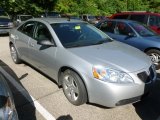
(77, 7)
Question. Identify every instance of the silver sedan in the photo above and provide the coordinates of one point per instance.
(88, 64)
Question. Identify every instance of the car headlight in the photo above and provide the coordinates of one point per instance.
(10, 24)
(111, 75)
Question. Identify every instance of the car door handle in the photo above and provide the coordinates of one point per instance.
(14, 37)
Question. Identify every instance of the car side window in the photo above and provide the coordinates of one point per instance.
(42, 32)
(154, 20)
(121, 17)
(139, 18)
(123, 29)
(108, 26)
(27, 28)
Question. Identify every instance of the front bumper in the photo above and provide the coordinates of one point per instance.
(113, 94)
(5, 30)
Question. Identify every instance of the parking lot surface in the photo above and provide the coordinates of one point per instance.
(39, 98)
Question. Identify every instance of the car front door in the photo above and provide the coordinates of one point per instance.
(22, 37)
(124, 33)
(43, 57)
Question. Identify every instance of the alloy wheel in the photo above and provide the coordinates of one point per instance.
(71, 88)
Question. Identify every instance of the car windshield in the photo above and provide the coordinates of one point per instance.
(56, 14)
(142, 30)
(23, 18)
(91, 17)
(79, 34)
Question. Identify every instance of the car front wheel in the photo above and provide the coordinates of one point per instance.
(155, 57)
(73, 88)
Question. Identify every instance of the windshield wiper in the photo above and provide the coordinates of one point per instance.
(101, 42)
(87, 44)
(71, 46)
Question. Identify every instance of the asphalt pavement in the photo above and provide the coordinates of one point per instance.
(39, 98)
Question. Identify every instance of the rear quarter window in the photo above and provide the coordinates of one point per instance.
(108, 26)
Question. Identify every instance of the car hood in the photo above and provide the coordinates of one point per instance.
(153, 38)
(115, 55)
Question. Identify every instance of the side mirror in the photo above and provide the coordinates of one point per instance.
(45, 42)
(3, 101)
(18, 20)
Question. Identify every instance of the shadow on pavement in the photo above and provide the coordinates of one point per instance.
(65, 117)
(4, 35)
(149, 108)
(22, 99)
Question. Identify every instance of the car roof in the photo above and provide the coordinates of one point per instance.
(122, 20)
(136, 12)
(55, 20)
(23, 15)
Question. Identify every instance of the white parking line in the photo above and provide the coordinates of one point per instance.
(42, 110)
(33, 101)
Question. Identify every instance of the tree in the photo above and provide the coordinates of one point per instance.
(27, 6)
(77, 7)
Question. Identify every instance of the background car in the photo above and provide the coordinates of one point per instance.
(84, 61)
(89, 18)
(6, 23)
(21, 18)
(7, 106)
(51, 14)
(135, 34)
(148, 18)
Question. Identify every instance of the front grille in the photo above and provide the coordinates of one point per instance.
(4, 25)
(146, 76)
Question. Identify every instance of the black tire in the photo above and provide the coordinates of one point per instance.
(14, 55)
(73, 88)
(155, 57)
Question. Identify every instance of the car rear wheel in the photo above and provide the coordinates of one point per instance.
(74, 88)
(155, 57)
(14, 55)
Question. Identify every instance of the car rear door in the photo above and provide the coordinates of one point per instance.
(108, 28)
(41, 56)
